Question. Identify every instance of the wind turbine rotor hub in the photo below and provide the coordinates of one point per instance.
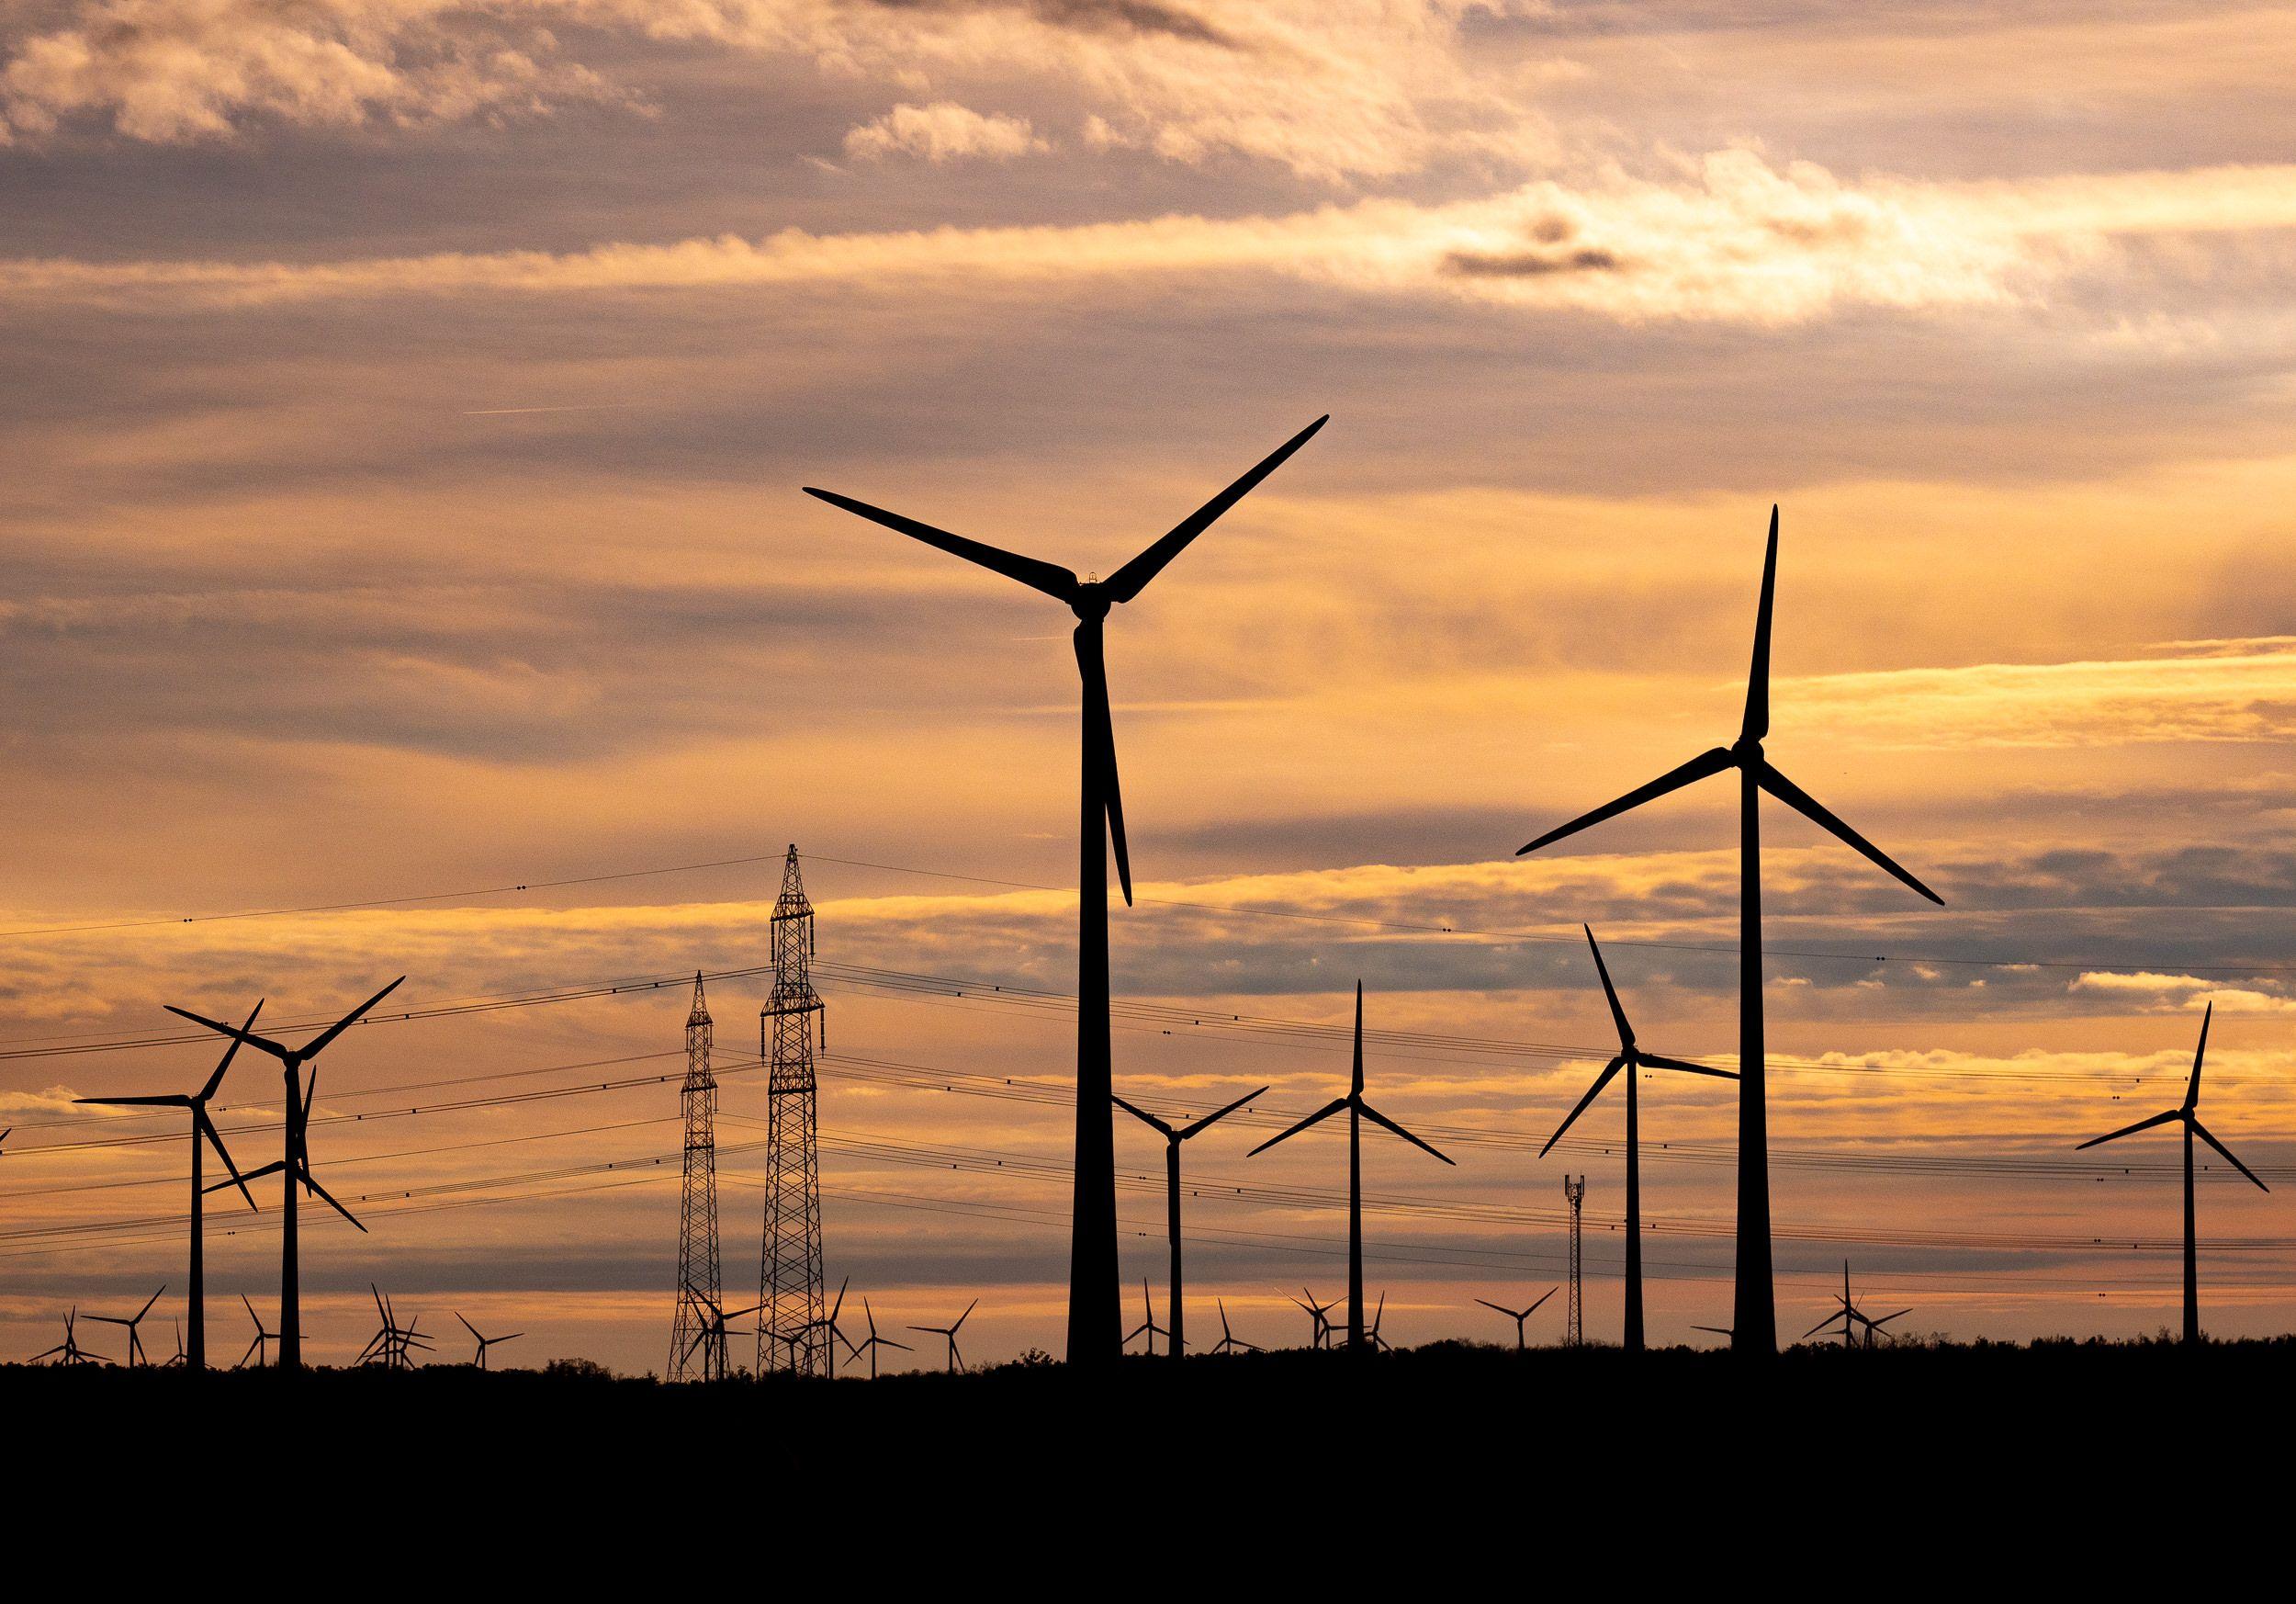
(1093, 601)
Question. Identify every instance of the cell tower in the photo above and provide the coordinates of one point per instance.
(791, 1336)
(697, 1339)
(1574, 1326)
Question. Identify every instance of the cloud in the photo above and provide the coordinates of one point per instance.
(1731, 240)
(943, 131)
(2186, 992)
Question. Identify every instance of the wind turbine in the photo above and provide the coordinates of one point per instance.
(1172, 1139)
(1850, 1314)
(179, 1358)
(1148, 1325)
(1358, 1112)
(296, 1165)
(196, 1356)
(1633, 1060)
(2188, 1114)
(136, 1355)
(69, 1350)
(713, 1332)
(393, 1347)
(485, 1342)
(1094, 1319)
(1519, 1316)
(832, 1331)
(956, 1360)
(1229, 1342)
(1755, 1318)
(872, 1342)
(260, 1349)
(1378, 1343)
(1320, 1331)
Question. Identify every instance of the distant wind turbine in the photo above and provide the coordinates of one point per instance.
(872, 1342)
(1229, 1342)
(1358, 1112)
(2188, 1114)
(295, 1168)
(69, 1350)
(1633, 1060)
(1173, 1138)
(1519, 1316)
(1851, 1317)
(136, 1356)
(1754, 1323)
(485, 1342)
(1318, 1317)
(259, 1350)
(956, 1359)
(196, 1356)
(1094, 1321)
(1148, 1326)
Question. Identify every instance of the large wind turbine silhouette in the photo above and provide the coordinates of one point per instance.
(486, 1342)
(1519, 1316)
(196, 1355)
(956, 1359)
(1172, 1139)
(872, 1342)
(295, 1167)
(1357, 1111)
(2188, 1114)
(1095, 1320)
(132, 1325)
(1754, 1324)
(1633, 1060)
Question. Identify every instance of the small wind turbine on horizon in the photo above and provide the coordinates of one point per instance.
(1320, 1318)
(136, 1356)
(713, 1333)
(196, 1356)
(393, 1347)
(1754, 1321)
(294, 1167)
(2188, 1113)
(1173, 1138)
(871, 1343)
(485, 1342)
(69, 1350)
(1851, 1317)
(259, 1350)
(1357, 1111)
(956, 1359)
(831, 1332)
(1095, 1317)
(1519, 1316)
(1229, 1342)
(1148, 1326)
(1632, 1059)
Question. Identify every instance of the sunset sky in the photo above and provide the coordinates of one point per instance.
(408, 402)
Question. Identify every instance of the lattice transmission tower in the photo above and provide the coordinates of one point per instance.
(1574, 1325)
(791, 1333)
(697, 1336)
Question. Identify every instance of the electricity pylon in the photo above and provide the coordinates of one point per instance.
(699, 1294)
(1574, 1324)
(791, 1335)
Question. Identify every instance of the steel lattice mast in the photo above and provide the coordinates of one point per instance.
(791, 1333)
(1574, 1324)
(697, 1339)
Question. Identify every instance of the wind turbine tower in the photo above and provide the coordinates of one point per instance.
(789, 1281)
(699, 1292)
(1574, 1324)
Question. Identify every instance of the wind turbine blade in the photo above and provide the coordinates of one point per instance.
(2201, 1131)
(312, 1049)
(217, 1025)
(1489, 1305)
(1356, 1084)
(1593, 1091)
(1684, 1065)
(1326, 1111)
(1376, 1117)
(215, 1080)
(1706, 762)
(1128, 580)
(1053, 580)
(1618, 1012)
(2158, 1118)
(889, 1342)
(963, 1318)
(1141, 1114)
(1549, 1293)
(175, 1099)
(1219, 1115)
(2193, 1090)
(156, 1296)
(1829, 1320)
(271, 1168)
(1886, 1319)
(1092, 664)
(468, 1326)
(1802, 802)
(329, 1199)
(1757, 723)
(204, 1127)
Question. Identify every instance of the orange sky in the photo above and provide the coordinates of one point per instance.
(402, 498)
